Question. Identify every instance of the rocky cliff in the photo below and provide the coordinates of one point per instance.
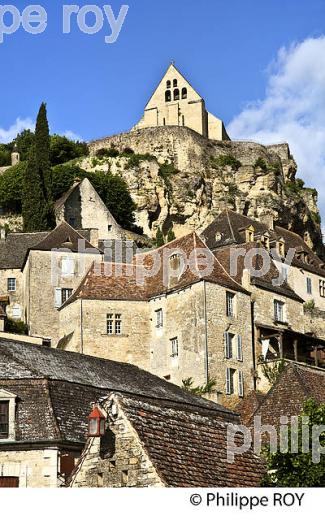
(180, 179)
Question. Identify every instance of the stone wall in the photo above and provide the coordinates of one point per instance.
(35, 468)
(15, 307)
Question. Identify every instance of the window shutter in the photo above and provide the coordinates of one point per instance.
(227, 349)
(239, 348)
(240, 383)
(228, 389)
(58, 297)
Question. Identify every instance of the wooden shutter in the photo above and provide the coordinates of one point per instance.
(58, 297)
(9, 482)
(228, 381)
(227, 345)
(239, 348)
(240, 383)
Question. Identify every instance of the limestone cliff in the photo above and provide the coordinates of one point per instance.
(178, 178)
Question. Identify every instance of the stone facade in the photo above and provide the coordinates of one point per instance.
(176, 103)
(37, 468)
(14, 289)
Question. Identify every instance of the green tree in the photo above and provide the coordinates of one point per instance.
(198, 390)
(63, 176)
(11, 182)
(63, 149)
(37, 204)
(5, 155)
(159, 238)
(288, 469)
(24, 142)
(170, 235)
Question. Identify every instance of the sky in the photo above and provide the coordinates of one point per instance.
(259, 65)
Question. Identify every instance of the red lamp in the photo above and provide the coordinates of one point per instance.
(96, 423)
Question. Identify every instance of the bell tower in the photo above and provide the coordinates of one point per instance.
(15, 156)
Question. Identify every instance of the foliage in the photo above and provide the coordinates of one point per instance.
(316, 218)
(226, 160)
(198, 390)
(16, 327)
(136, 158)
(24, 142)
(160, 240)
(11, 182)
(288, 469)
(63, 149)
(260, 163)
(170, 235)
(107, 152)
(37, 204)
(310, 305)
(295, 187)
(272, 370)
(63, 176)
(5, 155)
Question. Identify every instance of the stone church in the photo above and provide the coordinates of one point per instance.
(176, 103)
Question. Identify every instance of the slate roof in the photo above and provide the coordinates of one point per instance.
(123, 282)
(232, 225)
(225, 255)
(56, 390)
(295, 384)
(188, 448)
(58, 237)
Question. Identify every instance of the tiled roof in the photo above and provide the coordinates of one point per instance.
(295, 384)
(230, 228)
(121, 281)
(189, 449)
(225, 255)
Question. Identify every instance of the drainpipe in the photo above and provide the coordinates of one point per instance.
(81, 328)
(206, 332)
(253, 340)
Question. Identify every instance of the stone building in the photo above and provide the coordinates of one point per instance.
(175, 312)
(176, 103)
(46, 396)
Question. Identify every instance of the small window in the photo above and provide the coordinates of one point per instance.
(281, 248)
(118, 324)
(184, 93)
(229, 341)
(322, 288)
(110, 322)
(176, 94)
(168, 84)
(11, 284)
(175, 83)
(67, 266)
(164, 121)
(174, 347)
(239, 348)
(4, 419)
(230, 304)
(230, 375)
(168, 95)
(159, 318)
(61, 296)
(65, 294)
(279, 311)
(109, 227)
(240, 383)
(309, 285)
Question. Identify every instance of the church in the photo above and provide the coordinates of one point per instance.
(176, 103)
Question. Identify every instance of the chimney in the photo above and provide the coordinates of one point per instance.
(267, 219)
(246, 279)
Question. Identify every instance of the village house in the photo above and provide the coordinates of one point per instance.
(67, 418)
(180, 321)
(176, 103)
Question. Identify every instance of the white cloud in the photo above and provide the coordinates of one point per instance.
(6, 136)
(72, 135)
(293, 110)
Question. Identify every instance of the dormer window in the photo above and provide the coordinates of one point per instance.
(4, 419)
(250, 234)
(168, 96)
(7, 415)
(281, 247)
(168, 84)
(265, 240)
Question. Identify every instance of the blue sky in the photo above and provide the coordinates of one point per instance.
(224, 47)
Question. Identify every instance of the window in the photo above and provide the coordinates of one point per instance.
(240, 383)
(230, 374)
(114, 324)
(168, 84)
(281, 248)
(164, 121)
(278, 311)
(118, 324)
(67, 266)
(168, 95)
(239, 348)
(322, 288)
(4, 419)
(249, 235)
(175, 83)
(159, 318)
(176, 94)
(229, 340)
(61, 296)
(183, 120)
(230, 304)
(184, 93)
(109, 227)
(309, 285)
(11, 284)
(174, 347)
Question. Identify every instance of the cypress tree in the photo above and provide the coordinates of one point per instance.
(37, 207)
(159, 238)
(171, 235)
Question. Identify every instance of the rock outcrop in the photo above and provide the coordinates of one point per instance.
(180, 179)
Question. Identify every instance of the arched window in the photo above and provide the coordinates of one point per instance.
(176, 94)
(168, 84)
(168, 95)
(184, 93)
(175, 83)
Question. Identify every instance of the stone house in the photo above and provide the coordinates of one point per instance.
(168, 315)
(176, 103)
(46, 396)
